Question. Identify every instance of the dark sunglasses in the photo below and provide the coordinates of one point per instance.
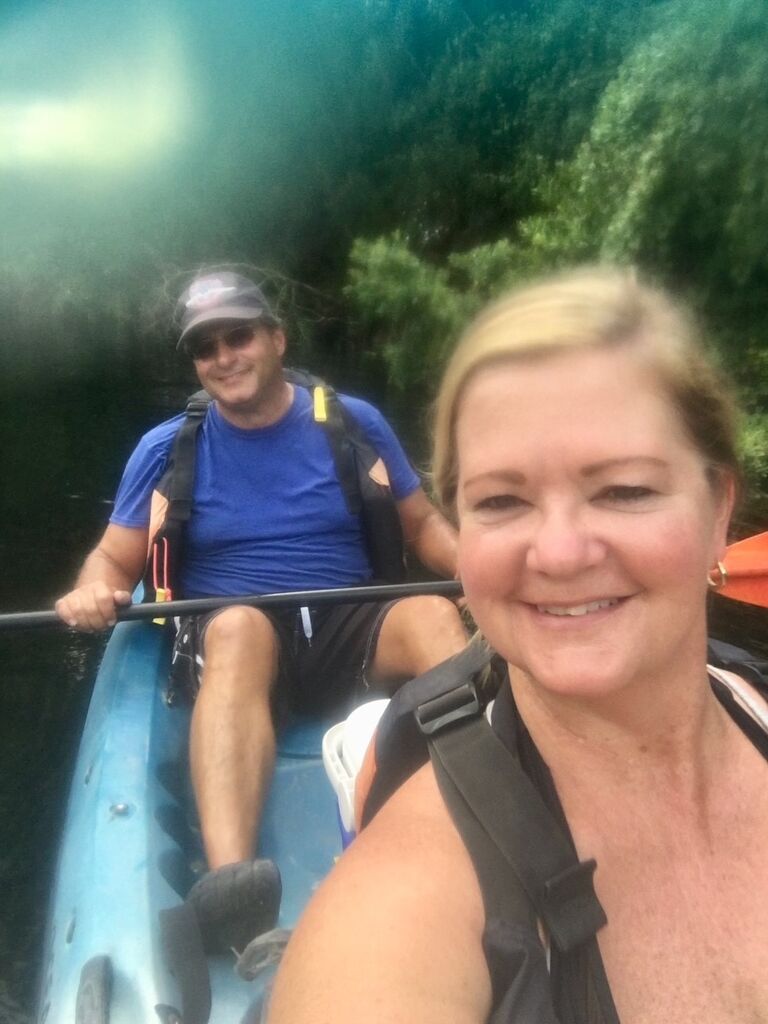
(204, 347)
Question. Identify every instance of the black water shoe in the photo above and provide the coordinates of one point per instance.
(236, 903)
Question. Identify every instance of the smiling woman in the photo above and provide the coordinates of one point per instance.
(586, 447)
(588, 522)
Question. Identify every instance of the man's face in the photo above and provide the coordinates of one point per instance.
(239, 364)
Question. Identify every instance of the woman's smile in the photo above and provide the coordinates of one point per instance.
(577, 609)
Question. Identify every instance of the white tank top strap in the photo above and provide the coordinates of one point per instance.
(745, 695)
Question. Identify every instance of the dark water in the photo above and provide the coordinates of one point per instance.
(58, 478)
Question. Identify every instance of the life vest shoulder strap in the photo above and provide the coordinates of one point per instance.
(362, 477)
(399, 747)
(171, 506)
(440, 716)
(486, 789)
(181, 467)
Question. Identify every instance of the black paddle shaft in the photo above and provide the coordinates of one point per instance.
(295, 598)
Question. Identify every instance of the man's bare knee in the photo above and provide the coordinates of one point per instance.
(240, 651)
(416, 634)
(238, 624)
(421, 615)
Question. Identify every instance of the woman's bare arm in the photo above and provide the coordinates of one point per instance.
(394, 934)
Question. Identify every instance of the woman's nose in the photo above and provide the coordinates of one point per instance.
(563, 545)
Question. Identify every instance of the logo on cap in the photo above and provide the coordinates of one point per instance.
(207, 293)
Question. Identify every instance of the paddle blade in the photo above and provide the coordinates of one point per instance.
(746, 568)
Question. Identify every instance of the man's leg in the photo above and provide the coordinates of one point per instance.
(416, 634)
(232, 739)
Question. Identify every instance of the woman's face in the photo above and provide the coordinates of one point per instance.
(587, 523)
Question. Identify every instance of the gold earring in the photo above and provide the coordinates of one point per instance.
(717, 576)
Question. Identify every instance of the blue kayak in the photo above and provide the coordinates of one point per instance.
(130, 850)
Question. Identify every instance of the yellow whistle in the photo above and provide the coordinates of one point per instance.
(321, 413)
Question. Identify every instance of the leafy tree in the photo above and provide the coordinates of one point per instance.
(754, 457)
(670, 175)
(410, 308)
(511, 90)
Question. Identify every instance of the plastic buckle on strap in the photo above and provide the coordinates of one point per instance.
(570, 908)
(435, 714)
(161, 594)
(179, 510)
(198, 406)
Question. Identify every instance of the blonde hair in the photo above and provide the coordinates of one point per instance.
(589, 308)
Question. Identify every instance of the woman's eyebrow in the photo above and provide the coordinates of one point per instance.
(594, 468)
(516, 478)
(500, 476)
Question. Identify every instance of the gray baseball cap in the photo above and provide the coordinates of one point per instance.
(217, 296)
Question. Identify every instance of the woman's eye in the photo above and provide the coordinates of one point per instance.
(625, 493)
(499, 503)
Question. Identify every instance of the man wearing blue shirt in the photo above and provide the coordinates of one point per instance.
(268, 514)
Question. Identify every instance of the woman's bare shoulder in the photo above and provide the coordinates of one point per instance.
(394, 933)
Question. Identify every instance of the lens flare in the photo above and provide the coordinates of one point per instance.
(116, 110)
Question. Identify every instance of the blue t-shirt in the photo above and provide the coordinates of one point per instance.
(268, 511)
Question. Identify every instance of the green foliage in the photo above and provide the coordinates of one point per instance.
(657, 159)
(413, 311)
(409, 309)
(484, 270)
(471, 137)
(670, 173)
(754, 457)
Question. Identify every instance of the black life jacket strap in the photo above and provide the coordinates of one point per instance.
(497, 792)
(183, 459)
(161, 568)
(399, 739)
(340, 428)
(353, 458)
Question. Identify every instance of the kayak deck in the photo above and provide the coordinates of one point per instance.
(130, 848)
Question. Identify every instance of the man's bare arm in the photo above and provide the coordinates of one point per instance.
(429, 533)
(106, 580)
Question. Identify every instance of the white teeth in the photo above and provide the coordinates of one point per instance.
(577, 609)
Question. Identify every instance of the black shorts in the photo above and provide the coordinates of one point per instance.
(323, 672)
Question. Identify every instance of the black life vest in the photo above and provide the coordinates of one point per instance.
(503, 803)
(357, 466)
